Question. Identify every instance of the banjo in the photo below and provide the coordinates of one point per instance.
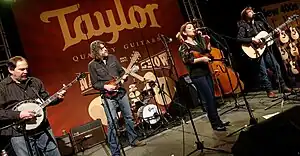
(38, 107)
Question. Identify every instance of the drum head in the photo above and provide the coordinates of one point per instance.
(151, 114)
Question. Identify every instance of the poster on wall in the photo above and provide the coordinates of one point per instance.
(56, 36)
(285, 15)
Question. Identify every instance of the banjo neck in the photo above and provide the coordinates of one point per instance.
(65, 87)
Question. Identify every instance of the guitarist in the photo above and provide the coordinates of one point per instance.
(248, 28)
(14, 89)
(103, 68)
(199, 70)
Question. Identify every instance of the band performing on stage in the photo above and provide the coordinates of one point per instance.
(24, 99)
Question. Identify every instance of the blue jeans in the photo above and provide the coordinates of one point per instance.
(41, 144)
(123, 104)
(268, 61)
(204, 85)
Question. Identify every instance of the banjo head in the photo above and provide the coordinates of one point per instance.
(34, 106)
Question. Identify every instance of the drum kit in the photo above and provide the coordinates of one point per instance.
(142, 108)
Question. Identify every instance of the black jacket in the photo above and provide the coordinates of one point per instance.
(11, 94)
(101, 73)
(248, 30)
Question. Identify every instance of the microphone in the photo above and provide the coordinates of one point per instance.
(257, 13)
(201, 28)
(167, 39)
(198, 30)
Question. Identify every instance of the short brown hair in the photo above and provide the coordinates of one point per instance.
(243, 13)
(94, 48)
(12, 62)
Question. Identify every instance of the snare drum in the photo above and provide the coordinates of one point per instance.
(149, 113)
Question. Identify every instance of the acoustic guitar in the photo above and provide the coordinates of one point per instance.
(283, 37)
(294, 33)
(283, 52)
(294, 49)
(293, 67)
(256, 50)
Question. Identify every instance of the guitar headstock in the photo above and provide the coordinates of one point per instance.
(293, 17)
(135, 56)
(80, 76)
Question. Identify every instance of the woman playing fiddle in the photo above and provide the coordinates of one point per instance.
(194, 54)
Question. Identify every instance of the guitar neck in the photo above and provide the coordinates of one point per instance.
(141, 78)
(279, 27)
(55, 96)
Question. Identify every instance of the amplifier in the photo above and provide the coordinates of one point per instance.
(65, 145)
(87, 135)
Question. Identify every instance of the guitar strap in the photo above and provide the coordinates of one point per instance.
(37, 94)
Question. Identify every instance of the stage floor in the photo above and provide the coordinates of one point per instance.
(180, 140)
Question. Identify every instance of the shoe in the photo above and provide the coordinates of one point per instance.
(227, 123)
(138, 144)
(271, 94)
(286, 89)
(219, 128)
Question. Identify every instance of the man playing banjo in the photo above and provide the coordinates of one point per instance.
(14, 89)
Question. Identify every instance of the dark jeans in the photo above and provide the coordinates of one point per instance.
(123, 103)
(268, 61)
(204, 85)
(44, 143)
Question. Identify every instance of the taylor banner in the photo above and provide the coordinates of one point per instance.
(56, 35)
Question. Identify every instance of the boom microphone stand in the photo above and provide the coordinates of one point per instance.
(253, 120)
(112, 118)
(219, 46)
(270, 51)
(22, 126)
(199, 145)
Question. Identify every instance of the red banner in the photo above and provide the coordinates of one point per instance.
(56, 35)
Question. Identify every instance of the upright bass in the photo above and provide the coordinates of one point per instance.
(225, 79)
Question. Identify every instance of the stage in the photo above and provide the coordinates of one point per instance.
(170, 142)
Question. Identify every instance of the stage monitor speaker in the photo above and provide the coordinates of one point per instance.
(87, 136)
(65, 145)
(278, 135)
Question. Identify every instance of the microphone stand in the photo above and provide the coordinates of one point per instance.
(221, 46)
(23, 128)
(269, 52)
(109, 113)
(253, 120)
